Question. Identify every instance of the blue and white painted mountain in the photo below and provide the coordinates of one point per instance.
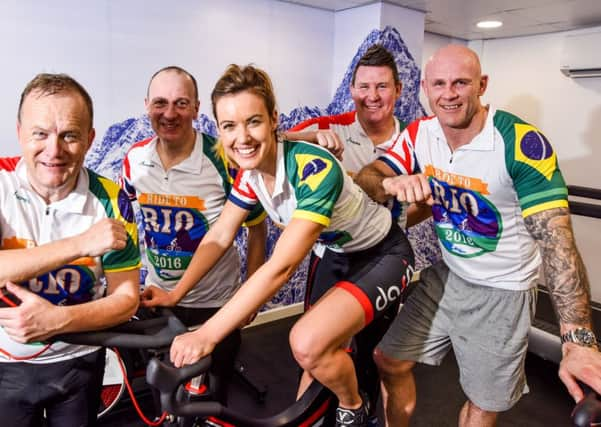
(407, 107)
(106, 155)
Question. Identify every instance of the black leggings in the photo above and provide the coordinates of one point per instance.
(375, 275)
(68, 392)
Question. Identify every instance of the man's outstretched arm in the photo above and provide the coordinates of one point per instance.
(380, 182)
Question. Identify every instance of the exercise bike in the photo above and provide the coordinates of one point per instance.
(145, 338)
(315, 407)
(587, 412)
(140, 340)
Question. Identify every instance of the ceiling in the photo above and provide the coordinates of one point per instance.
(457, 18)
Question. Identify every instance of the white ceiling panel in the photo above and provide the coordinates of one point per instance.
(457, 18)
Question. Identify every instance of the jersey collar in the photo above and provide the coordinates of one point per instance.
(484, 141)
(280, 171)
(359, 129)
(74, 202)
(193, 164)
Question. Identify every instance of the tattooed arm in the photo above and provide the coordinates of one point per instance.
(566, 279)
(564, 271)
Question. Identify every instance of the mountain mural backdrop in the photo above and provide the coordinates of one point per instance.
(107, 154)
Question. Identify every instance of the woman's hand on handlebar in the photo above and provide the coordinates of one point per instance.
(190, 347)
(153, 296)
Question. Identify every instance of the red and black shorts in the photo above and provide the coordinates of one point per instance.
(376, 277)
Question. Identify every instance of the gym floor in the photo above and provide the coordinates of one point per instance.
(266, 356)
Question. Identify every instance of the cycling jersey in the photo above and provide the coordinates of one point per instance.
(27, 221)
(482, 193)
(179, 206)
(359, 150)
(311, 184)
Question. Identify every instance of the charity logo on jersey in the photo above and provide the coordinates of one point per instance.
(532, 148)
(17, 243)
(173, 229)
(68, 285)
(312, 169)
(467, 223)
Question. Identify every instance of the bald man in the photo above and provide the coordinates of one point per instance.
(181, 183)
(500, 208)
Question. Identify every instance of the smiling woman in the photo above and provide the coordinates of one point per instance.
(247, 132)
(304, 189)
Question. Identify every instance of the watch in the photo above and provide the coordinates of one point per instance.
(581, 336)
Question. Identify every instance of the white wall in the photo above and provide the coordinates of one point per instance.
(410, 23)
(351, 28)
(353, 25)
(525, 80)
(113, 47)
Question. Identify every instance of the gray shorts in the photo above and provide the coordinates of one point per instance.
(486, 327)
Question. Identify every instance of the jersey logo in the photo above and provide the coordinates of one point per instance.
(16, 243)
(171, 233)
(532, 148)
(312, 169)
(467, 223)
(21, 198)
(68, 285)
(456, 180)
(352, 141)
(171, 200)
(337, 238)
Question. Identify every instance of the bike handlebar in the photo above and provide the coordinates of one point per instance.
(168, 380)
(588, 411)
(150, 333)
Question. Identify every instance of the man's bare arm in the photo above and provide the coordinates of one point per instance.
(370, 180)
(566, 279)
(417, 213)
(381, 183)
(17, 265)
(37, 319)
(564, 270)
